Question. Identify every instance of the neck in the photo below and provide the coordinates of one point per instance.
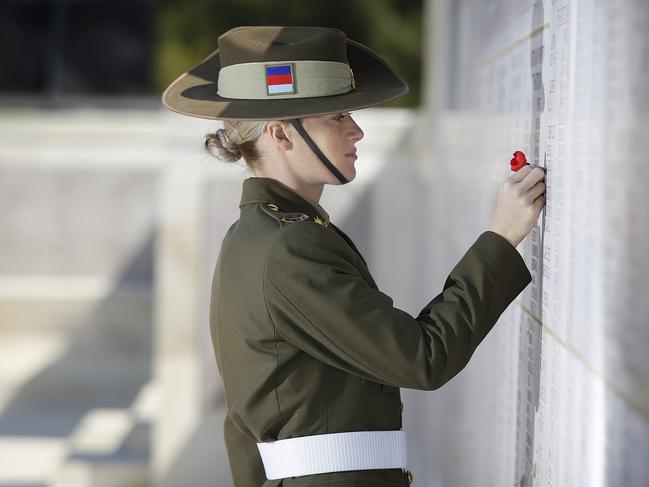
(310, 192)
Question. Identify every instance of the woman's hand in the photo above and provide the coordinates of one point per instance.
(521, 199)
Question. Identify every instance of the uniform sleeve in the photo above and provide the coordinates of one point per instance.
(243, 456)
(319, 301)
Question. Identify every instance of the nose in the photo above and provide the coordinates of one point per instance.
(357, 132)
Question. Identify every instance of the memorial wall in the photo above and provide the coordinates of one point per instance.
(558, 393)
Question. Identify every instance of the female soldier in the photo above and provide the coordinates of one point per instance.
(312, 354)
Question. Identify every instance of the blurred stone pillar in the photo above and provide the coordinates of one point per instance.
(178, 357)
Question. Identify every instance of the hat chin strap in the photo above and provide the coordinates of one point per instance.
(309, 141)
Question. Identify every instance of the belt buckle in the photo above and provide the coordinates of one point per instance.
(408, 474)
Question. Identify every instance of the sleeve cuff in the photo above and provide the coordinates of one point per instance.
(502, 257)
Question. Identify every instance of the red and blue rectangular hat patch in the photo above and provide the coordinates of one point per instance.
(280, 79)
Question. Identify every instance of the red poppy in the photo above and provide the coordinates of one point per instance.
(518, 161)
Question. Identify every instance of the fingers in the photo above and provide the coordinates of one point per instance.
(539, 203)
(519, 175)
(535, 191)
(534, 176)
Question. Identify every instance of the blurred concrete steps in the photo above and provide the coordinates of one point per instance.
(111, 447)
(73, 381)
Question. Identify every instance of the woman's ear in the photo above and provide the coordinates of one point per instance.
(277, 132)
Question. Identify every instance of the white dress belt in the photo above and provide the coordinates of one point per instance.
(334, 452)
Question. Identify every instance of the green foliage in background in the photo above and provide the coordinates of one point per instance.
(187, 31)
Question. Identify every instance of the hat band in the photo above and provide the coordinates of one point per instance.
(285, 79)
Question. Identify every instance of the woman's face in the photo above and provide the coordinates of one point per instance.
(336, 136)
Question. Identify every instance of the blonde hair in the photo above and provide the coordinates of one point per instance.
(237, 138)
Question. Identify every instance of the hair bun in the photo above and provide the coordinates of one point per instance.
(219, 145)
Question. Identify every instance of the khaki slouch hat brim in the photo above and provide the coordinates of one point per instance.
(194, 93)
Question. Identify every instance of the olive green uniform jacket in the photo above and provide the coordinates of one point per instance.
(307, 344)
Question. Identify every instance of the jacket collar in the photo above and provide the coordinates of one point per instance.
(268, 190)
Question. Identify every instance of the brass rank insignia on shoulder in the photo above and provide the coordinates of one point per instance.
(292, 217)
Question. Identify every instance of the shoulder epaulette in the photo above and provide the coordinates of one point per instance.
(289, 217)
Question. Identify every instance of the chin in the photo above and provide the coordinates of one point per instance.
(348, 172)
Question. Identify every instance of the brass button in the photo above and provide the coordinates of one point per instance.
(273, 207)
(408, 474)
